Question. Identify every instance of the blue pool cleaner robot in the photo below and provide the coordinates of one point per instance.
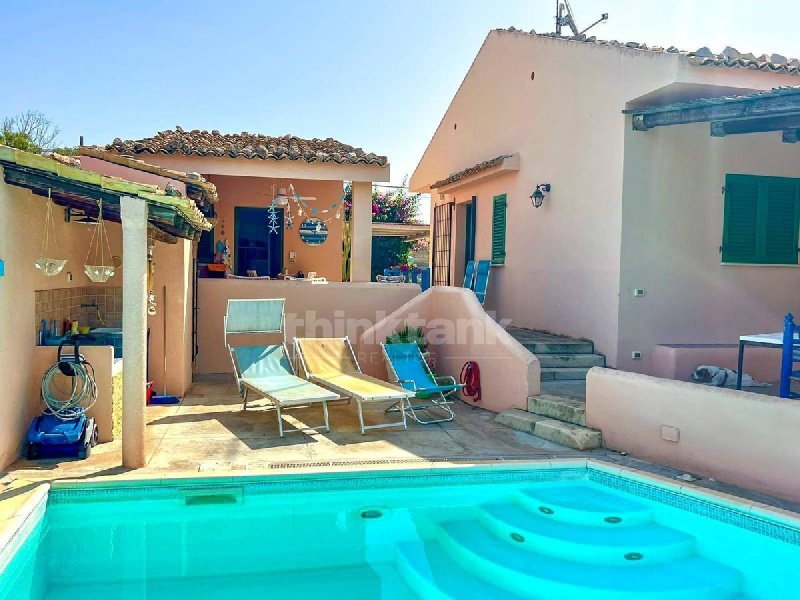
(68, 390)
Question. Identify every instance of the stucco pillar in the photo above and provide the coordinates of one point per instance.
(361, 232)
(134, 330)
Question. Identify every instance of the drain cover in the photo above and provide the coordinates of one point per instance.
(634, 556)
(371, 514)
(613, 520)
(546, 510)
(517, 537)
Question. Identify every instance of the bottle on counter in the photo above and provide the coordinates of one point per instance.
(74, 327)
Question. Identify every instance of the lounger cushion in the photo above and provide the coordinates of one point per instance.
(288, 390)
(262, 361)
(327, 356)
(362, 387)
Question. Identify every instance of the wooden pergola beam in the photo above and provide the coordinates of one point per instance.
(784, 104)
(739, 126)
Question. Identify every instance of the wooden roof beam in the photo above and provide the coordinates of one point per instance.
(723, 128)
(768, 106)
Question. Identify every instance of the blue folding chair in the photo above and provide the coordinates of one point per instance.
(469, 275)
(407, 367)
(790, 358)
(266, 369)
(482, 270)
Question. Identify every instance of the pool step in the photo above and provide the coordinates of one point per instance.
(434, 575)
(535, 575)
(585, 504)
(601, 545)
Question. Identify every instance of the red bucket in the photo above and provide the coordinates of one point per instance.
(149, 392)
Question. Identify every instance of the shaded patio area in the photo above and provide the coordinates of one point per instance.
(209, 432)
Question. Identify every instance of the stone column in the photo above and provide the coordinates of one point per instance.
(361, 232)
(134, 330)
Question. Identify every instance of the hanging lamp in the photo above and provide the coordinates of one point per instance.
(102, 268)
(49, 266)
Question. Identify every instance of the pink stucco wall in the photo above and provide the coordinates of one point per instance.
(324, 310)
(459, 330)
(21, 224)
(563, 264)
(325, 259)
(745, 439)
(672, 210)
(680, 361)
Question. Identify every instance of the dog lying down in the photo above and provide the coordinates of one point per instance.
(722, 377)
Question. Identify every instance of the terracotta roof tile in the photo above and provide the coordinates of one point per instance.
(702, 57)
(246, 145)
(481, 166)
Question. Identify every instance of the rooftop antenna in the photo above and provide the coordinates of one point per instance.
(565, 16)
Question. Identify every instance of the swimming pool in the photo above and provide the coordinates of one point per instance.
(542, 531)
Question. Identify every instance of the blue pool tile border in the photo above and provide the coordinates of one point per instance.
(698, 506)
(337, 482)
(656, 492)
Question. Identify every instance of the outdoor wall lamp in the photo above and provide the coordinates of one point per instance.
(537, 197)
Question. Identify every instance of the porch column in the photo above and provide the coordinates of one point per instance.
(134, 330)
(361, 232)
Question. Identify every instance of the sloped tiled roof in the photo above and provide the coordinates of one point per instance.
(246, 145)
(481, 166)
(703, 57)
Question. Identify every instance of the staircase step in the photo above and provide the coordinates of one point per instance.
(518, 419)
(542, 342)
(567, 373)
(434, 575)
(585, 503)
(592, 544)
(549, 361)
(531, 574)
(566, 434)
(559, 408)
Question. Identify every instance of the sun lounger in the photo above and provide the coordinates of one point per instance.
(482, 270)
(407, 367)
(266, 370)
(331, 363)
(469, 275)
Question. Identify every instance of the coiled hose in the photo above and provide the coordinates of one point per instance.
(82, 395)
(471, 378)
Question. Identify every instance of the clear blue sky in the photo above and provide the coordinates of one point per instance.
(371, 73)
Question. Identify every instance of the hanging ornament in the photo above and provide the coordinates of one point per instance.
(151, 272)
(272, 220)
(103, 267)
(49, 266)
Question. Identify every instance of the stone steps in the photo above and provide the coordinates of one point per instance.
(558, 361)
(569, 410)
(567, 434)
(564, 373)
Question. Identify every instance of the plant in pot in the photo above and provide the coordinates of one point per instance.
(408, 335)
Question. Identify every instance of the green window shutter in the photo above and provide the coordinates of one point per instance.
(741, 210)
(761, 220)
(780, 239)
(499, 230)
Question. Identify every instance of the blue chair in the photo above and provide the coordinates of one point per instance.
(482, 270)
(790, 358)
(407, 367)
(469, 275)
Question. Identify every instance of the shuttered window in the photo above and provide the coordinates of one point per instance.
(761, 220)
(499, 230)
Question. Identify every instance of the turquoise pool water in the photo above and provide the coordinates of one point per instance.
(468, 533)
